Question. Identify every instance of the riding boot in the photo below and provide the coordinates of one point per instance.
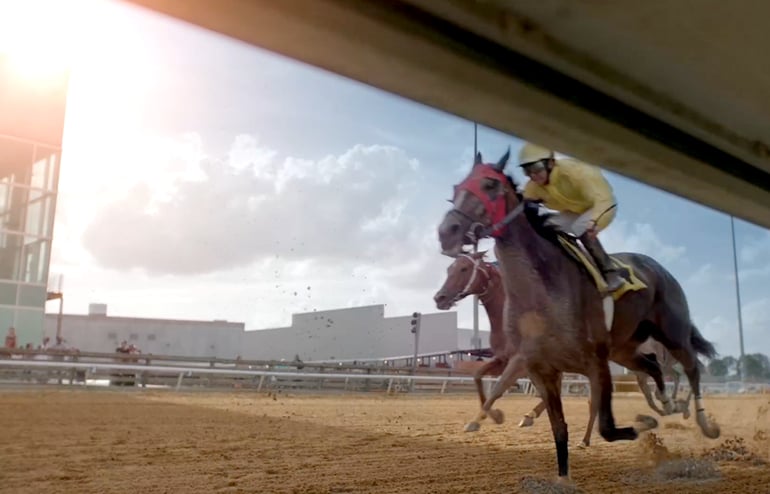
(613, 276)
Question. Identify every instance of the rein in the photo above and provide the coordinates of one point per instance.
(486, 231)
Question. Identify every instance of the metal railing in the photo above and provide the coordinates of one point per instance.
(175, 376)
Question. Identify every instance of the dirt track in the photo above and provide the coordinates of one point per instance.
(104, 441)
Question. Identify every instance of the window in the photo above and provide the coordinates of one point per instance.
(10, 255)
(112, 336)
(151, 337)
(31, 295)
(7, 294)
(35, 260)
(44, 170)
(133, 337)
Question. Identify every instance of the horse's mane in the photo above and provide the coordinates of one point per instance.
(533, 214)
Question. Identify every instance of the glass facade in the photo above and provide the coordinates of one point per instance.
(29, 174)
(32, 112)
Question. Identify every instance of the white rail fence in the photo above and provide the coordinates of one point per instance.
(89, 372)
(178, 376)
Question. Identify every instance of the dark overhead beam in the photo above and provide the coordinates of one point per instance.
(406, 50)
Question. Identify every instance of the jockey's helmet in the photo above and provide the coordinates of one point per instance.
(531, 154)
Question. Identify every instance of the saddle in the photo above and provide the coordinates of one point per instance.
(577, 253)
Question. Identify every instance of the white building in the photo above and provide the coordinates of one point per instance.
(358, 333)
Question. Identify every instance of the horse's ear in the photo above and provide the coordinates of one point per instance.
(500, 166)
(478, 159)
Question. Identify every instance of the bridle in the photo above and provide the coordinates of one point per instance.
(496, 229)
(478, 267)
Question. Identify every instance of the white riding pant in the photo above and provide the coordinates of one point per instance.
(573, 223)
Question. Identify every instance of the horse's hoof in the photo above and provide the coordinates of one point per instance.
(527, 421)
(564, 481)
(683, 407)
(583, 445)
(645, 423)
(496, 415)
(686, 413)
(713, 431)
(709, 429)
(472, 427)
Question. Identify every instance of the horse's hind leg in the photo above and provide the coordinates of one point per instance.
(592, 411)
(690, 364)
(494, 366)
(638, 362)
(601, 397)
(529, 417)
(682, 406)
(641, 379)
(675, 376)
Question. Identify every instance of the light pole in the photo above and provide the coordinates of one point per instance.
(415, 323)
(476, 339)
(738, 300)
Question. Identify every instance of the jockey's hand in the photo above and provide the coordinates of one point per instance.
(592, 230)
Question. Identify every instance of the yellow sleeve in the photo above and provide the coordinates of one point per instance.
(595, 187)
(531, 192)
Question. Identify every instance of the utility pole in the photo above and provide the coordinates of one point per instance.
(741, 359)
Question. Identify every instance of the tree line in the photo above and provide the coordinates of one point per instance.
(754, 366)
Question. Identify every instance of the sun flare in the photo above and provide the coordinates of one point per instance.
(38, 37)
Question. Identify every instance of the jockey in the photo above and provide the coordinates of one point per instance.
(580, 194)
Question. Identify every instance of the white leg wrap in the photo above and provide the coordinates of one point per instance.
(609, 311)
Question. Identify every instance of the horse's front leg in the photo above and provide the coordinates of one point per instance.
(514, 369)
(494, 366)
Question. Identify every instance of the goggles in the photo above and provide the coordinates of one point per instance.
(534, 166)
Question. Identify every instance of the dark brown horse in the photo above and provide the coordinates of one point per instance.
(555, 316)
(470, 274)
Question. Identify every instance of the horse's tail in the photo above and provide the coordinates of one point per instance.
(701, 344)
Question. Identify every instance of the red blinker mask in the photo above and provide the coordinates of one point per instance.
(472, 184)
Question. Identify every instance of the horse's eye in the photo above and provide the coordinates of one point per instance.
(489, 185)
(463, 270)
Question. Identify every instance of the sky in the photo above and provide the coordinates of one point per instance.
(203, 178)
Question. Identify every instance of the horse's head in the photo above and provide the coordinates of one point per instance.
(467, 275)
(481, 202)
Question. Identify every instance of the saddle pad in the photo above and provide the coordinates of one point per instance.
(579, 255)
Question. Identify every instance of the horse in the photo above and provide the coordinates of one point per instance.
(554, 317)
(470, 274)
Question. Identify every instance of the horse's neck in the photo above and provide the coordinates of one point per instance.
(533, 266)
(494, 301)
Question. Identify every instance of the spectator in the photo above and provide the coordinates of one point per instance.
(10, 338)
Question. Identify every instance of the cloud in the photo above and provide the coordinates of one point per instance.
(756, 320)
(640, 238)
(704, 275)
(352, 206)
(756, 250)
